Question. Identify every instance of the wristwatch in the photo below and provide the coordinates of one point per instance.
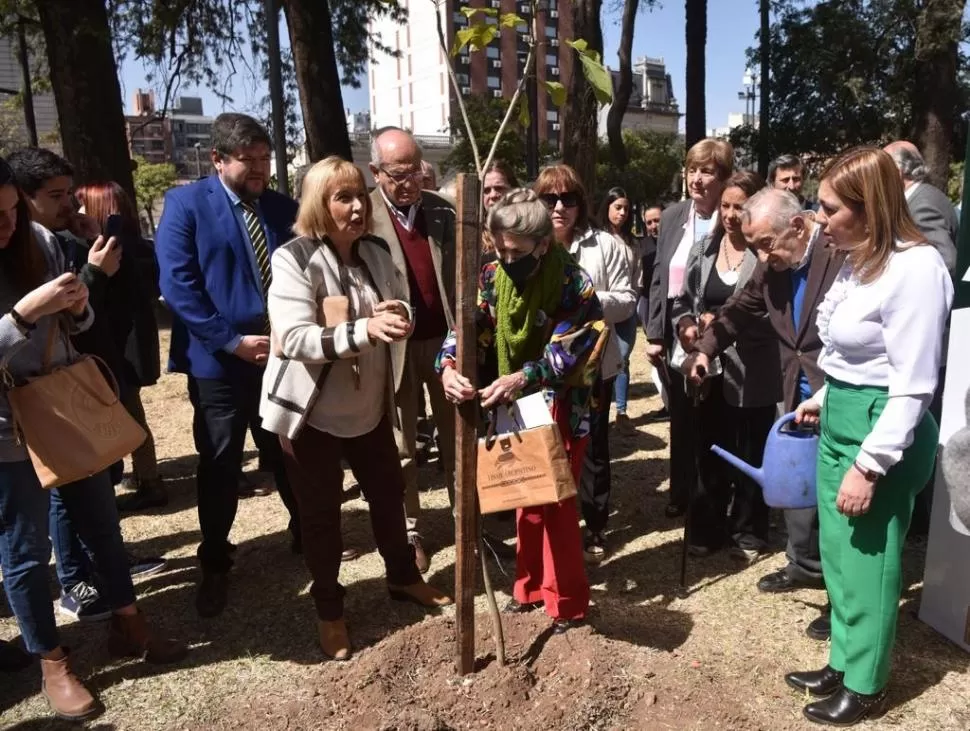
(870, 475)
(22, 325)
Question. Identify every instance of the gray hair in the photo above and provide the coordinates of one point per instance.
(779, 206)
(520, 213)
(911, 164)
(375, 147)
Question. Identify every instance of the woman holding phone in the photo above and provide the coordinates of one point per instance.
(339, 325)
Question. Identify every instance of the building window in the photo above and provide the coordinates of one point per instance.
(551, 31)
(462, 79)
(552, 116)
(552, 59)
(494, 82)
(492, 51)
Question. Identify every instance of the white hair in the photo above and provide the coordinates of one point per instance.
(779, 206)
(911, 164)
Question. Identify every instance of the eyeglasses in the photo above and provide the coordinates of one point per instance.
(568, 200)
(399, 178)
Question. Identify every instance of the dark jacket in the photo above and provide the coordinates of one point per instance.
(672, 223)
(769, 293)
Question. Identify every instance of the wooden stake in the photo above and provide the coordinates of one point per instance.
(467, 246)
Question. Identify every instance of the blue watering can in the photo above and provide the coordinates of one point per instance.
(787, 475)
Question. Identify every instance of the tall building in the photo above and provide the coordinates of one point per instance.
(652, 104)
(12, 124)
(413, 91)
(191, 132)
(149, 136)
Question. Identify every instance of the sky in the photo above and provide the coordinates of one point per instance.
(731, 28)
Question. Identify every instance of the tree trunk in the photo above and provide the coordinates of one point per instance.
(581, 111)
(84, 78)
(764, 120)
(151, 219)
(318, 78)
(696, 36)
(624, 88)
(937, 91)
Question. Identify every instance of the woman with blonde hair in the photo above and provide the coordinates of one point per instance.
(538, 328)
(339, 322)
(881, 326)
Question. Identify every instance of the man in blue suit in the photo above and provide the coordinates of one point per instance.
(214, 245)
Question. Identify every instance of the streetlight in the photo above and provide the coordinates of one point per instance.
(198, 161)
(749, 95)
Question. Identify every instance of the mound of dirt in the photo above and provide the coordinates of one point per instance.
(578, 680)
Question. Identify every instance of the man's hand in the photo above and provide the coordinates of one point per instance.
(855, 494)
(707, 319)
(503, 389)
(655, 353)
(253, 349)
(106, 256)
(697, 366)
(688, 336)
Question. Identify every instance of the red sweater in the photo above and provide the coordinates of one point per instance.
(429, 313)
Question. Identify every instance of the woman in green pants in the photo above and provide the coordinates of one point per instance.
(881, 326)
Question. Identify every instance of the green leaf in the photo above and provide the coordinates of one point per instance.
(511, 20)
(462, 39)
(599, 79)
(579, 45)
(469, 12)
(524, 117)
(557, 92)
(482, 35)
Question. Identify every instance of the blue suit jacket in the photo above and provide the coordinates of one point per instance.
(206, 276)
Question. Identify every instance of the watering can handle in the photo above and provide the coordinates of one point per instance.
(784, 421)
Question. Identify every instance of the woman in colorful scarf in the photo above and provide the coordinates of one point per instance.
(539, 322)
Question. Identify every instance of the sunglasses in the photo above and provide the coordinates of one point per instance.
(568, 200)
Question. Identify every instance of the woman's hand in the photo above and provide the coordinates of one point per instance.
(396, 307)
(707, 319)
(106, 255)
(458, 389)
(855, 494)
(655, 353)
(59, 294)
(81, 303)
(387, 326)
(808, 413)
(503, 389)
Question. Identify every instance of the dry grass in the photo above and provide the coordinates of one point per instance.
(722, 645)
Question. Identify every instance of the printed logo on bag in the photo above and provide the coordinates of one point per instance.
(93, 416)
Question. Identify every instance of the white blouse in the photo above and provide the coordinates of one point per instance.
(888, 333)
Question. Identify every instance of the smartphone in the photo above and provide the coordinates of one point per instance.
(112, 226)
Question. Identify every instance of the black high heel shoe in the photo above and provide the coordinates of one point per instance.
(846, 708)
(819, 683)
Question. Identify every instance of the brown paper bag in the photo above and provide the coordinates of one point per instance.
(522, 469)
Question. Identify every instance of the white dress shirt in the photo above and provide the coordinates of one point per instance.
(888, 333)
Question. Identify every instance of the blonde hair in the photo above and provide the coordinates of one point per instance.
(520, 213)
(712, 151)
(867, 181)
(325, 178)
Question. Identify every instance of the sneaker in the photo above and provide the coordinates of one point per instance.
(84, 604)
(594, 547)
(146, 566)
(746, 555)
(698, 551)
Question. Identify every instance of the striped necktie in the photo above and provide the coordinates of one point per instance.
(257, 237)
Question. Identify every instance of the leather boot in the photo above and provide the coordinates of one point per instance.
(846, 708)
(819, 683)
(67, 696)
(334, 640)
(420, 593)
(131, 637)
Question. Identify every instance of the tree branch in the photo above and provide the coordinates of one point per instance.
(457, 87)
(529, 62)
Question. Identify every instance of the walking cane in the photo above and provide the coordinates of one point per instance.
(702, 372)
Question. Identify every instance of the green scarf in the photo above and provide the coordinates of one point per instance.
(517, 337)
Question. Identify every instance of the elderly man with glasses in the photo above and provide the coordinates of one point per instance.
(419, 227)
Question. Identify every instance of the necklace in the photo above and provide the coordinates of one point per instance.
(730, 277)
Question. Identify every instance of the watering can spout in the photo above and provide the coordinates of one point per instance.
(756, 474)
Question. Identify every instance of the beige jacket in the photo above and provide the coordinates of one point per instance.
(304, 272)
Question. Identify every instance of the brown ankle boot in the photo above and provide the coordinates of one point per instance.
(131, 637)
(420, 593)
(67, 696)
(334, 640)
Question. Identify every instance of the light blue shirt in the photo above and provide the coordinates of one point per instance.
(235, 202)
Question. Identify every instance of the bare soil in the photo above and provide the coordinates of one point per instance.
(653, 656)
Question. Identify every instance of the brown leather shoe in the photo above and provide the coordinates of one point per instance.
(420, 557)
(131, 637)
(334, 640)
(67, 696)
(420, 593)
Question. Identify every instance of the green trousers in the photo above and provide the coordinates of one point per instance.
(862, 556)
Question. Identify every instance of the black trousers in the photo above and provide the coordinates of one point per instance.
(683, 440)
(749, 513)
(707, 519)
(224, 409)
(595, 478)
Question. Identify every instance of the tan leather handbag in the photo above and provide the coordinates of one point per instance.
(71, 420)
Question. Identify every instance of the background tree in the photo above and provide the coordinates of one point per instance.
(152, 180)
(696, 37)
(624, 86)
(580, 118)
(653, 164)
(84, 78)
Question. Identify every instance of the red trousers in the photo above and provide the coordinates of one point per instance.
(549, 553)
